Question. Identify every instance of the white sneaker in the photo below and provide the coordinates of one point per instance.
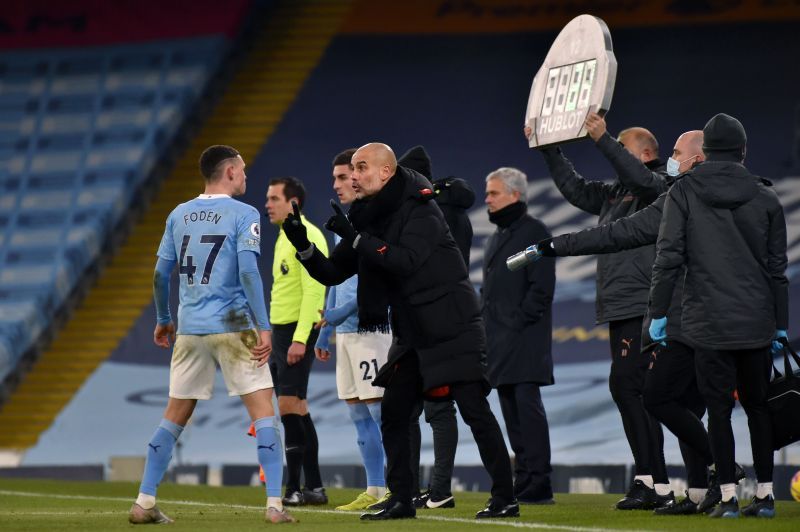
(276, 516)
(140, 516)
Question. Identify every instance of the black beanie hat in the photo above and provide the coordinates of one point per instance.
(417, 159)
(722, 133)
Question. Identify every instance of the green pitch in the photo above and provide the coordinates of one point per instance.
(55, 505)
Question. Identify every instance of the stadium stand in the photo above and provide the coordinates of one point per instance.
(120, 154)
(82, 130)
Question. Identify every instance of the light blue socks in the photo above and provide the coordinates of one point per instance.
(270, 453)
(159, 453)
(369, 442)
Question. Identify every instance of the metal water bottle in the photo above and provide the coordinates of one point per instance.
(523, 258)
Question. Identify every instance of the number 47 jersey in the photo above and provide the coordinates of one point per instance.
(204, 236)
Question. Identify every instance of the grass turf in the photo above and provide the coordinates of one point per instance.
(51, 505)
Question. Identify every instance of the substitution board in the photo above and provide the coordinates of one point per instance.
(577, 77)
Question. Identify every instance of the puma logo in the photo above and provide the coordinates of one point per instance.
(154, 447)
(627, 344)
(270, 447)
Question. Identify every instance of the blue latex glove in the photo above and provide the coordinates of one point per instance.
(658, 330)
(777, 347)
(338, 315)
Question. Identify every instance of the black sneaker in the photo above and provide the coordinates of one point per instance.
(382, 502)
(293, 498)
(664, 500)
(496, 508)
(760, 507)
(726, 509)
(436, 500)
(712, 498)
(316, 496)
(684, 507)
(639, 497)
(714, 494)
(420, 500)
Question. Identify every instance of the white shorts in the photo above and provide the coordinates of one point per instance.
(194, 361)
(358, 359)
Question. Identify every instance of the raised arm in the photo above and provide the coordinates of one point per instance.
(632, 173)
(586, 195)
(313, 298)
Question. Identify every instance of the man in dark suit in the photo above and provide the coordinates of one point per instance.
(516, 308)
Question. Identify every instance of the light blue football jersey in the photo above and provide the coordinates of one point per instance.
(205, 235)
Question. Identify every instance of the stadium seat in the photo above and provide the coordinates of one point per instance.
(79, 131)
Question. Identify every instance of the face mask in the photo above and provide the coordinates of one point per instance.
(673, 166)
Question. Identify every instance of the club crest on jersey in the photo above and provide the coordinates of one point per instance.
(284, 267)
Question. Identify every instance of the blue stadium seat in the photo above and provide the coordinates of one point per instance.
(79, 131)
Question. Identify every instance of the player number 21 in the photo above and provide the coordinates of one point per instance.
(189, 268)
(366, 367)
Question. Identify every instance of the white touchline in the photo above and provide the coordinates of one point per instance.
(486, 522)
(12, 513)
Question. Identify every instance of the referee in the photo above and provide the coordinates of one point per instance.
(296, 301)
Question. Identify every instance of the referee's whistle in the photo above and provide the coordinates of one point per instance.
(523, 258)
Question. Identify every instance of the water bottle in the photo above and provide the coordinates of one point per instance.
(523, 258)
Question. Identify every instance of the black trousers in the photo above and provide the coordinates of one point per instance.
(626, 382)
(747, 371)
(526, 425)
(441, 416)
(671, 396)
(403, 395)
(290, 380)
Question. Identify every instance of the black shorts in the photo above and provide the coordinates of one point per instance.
(290, 380)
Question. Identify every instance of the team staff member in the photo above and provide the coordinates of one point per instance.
(728, 229)
(296, 301)
(670, 390)
(397, 241)
(453, 196)
(623, 281)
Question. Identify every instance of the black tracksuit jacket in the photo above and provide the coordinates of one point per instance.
(727, 228)
(623, 278)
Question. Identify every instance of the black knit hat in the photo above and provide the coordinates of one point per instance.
(417, 159)
(723, 133)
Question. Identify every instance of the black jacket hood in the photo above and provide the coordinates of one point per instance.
(723, 185)
(454, 191)
(418, 160)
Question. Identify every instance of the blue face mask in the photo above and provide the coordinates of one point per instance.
(673, 166)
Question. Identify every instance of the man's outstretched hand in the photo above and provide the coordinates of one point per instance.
(339, 224)
(294, 229)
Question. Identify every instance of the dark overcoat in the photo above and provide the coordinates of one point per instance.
(434, 308)
(517, 307)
